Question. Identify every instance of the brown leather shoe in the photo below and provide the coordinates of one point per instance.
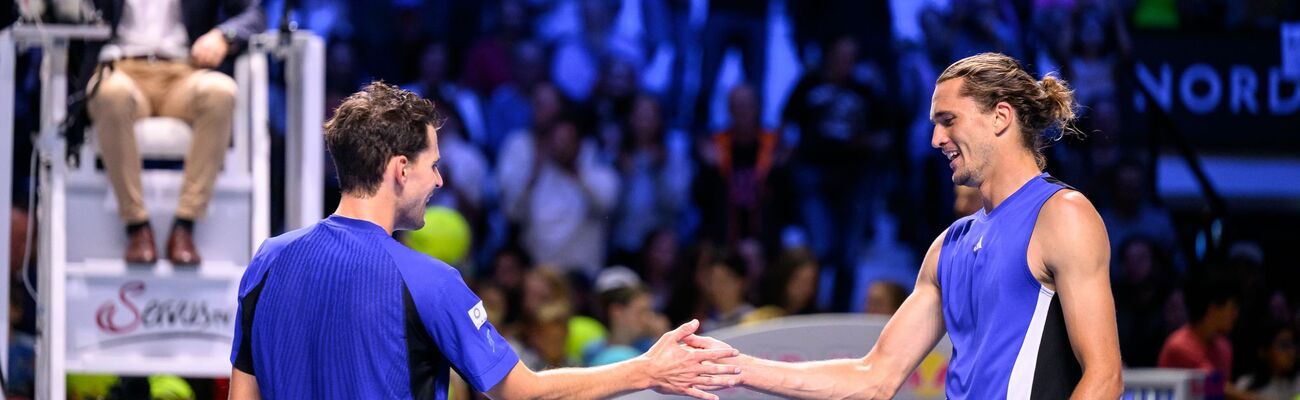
(180, 247)
(140, 248)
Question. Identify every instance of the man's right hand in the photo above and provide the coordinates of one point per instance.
(683, 370)
(708, 343)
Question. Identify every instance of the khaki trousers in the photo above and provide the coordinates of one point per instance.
(136, 89)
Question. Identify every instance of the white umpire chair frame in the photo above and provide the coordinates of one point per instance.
(246, 170)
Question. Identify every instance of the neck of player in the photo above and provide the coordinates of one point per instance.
(1006, 176)
(377, 209)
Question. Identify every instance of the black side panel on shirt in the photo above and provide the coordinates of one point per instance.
(1058, 372)
(421, 351)
(244, 362)
(1057, 182)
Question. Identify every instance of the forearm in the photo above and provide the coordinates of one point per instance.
(243, 386)
(831, 379)
(1098, 384)
(247, 19)
(591, 383)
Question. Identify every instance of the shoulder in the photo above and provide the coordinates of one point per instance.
(1069, 206)
(1180, 342)
(274, 245)
(419, 271)
(267, 254)
(956, 230)
(1069, 216)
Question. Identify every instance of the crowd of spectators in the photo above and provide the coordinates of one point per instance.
(628, 165)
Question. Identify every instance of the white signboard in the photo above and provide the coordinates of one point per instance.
(151, 324)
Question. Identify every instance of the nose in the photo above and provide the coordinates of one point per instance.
(938, 138)
(437, 178)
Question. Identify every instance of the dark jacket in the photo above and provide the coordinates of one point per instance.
(238, 19)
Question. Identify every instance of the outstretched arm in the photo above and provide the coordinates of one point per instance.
(1072, 241)
(668, 368)
(907, 338)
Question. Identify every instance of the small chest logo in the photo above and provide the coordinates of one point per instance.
(980, 244)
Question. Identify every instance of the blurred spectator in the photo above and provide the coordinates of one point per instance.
(21, 225)
(739, 23)
(1141, 290)
(726, 277)
(968, 200)
(543, 286)
(655, 178)
(577, 62)
(341, 78)
(669, 26)
(815, 23)
(690, 284)
(985, 25)
(789, 287)
(839, 160)
(488, 64)
(659, 263)
(734, 190)
(435, 83)
(884, 298)
(633, 325)
(1212, 307)
(563, 200)
(611, 107)
(518, 148)
(509, 267)
(495, 302)
(509, 108)
(1135, 213)
(21, 375)
(544, 333)
(1246, 260)
(160, 54)
(1274, 375)
(1093, 67)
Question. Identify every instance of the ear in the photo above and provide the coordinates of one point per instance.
(399, 165)
(1003, 116)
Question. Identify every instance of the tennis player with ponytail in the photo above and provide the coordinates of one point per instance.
(1021, 286)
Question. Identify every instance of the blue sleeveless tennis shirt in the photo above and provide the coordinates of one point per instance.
(340, 310)
(1007, 331)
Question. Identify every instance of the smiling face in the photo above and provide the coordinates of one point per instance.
(963, 132)
(422, 177)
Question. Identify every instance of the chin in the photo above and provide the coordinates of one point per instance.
(413, 225)
(961, 178)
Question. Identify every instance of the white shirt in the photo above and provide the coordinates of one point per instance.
(564, 218)
(149, 27)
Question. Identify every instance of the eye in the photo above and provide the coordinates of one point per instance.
(947, 121)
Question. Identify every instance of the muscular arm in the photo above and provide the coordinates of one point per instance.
(906, 339)
(1072, 240)
(243, 386)
(667, 368)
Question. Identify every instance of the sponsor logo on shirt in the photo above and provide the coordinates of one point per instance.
(478, 314)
